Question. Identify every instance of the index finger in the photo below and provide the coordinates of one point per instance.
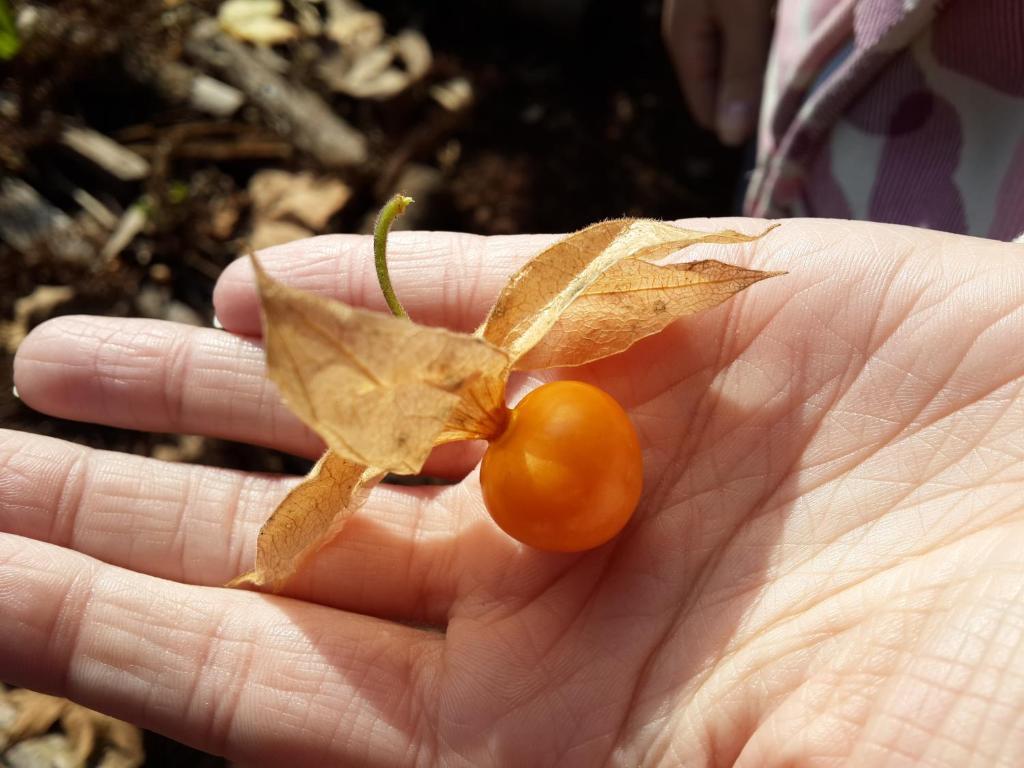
(442, 278)
(691, 38)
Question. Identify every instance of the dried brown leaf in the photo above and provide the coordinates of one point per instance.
(372, 74)
(308, 517)
(475, 415)
(630, 301)
(383, 391)
(36, 714)
(38, 304)
(544, 289)
(308, 17)
(291, 206)
(414, 51)
(454, 95)
(308, 199)
(267, 234)
(353, 27)
(365, 67)
(89, 737)
(256, 21)
(378, 389)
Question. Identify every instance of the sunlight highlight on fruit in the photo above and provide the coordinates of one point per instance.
(567, 472)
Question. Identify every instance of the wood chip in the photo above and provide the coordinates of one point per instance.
(29, 222)
(128, 228)
(256, 21)
(292, 111)
(454, 95)
(353, 27)
(105, 152)
(210, 95)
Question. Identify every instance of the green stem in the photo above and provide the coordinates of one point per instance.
(394, 208)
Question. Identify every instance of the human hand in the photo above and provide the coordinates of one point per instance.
(827, 564)
(719, 48)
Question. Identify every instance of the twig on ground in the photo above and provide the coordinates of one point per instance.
(293, 111)
(128, 228)
(29, 222)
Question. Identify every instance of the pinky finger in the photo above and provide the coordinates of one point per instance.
(256, 678)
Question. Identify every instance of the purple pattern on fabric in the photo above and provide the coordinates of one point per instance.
(984, 40)
(1009, 218)
(875, 109)
(819, 11)
(806, 49)
(915, 176)
(872, 19)
(782, 169)
(867, 61)
(828, 201)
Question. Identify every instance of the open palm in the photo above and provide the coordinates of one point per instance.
(827, 565)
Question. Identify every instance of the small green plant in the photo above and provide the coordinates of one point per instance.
(10, 42)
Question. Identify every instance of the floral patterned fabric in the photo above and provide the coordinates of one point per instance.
(904, 111)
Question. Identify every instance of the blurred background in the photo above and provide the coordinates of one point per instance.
(145, 144)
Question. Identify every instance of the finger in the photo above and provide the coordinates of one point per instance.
(176, 521)
(256, 678)
(691, 38)
(199, 525)
(745, 38)
(442, 278)
(159, 377)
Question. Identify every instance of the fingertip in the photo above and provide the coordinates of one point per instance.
(235, 303)
(734, 122)
(38, 354)
(36, 344)
(745, 42)
(311, 265)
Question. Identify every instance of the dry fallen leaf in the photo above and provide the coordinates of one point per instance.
(89, 737)
(352, 26)
(366, 64)
(290, 206)
(537, 296)
(309, 199)
(35, 714)
(309, 517)
(266, 234)
(256, 21)
(308, 17)
(382, 391)
(40, 303)
(378, 389)
(372, 74)
(454, 95)
(412, 48)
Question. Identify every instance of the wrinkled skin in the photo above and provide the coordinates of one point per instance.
(827, 566)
